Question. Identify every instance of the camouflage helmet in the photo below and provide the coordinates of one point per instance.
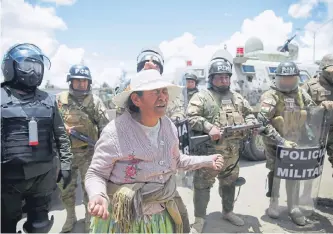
(287, 69)
(326, 61)
(191, 76)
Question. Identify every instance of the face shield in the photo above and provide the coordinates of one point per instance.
(30, 64)
(29, 58)
(286, 83)
(149, 55)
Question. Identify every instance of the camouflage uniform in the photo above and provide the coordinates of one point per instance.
(175, 109)
(284, 115)
(190, 93)
(320, 88)
(206, 109)
(273, 105)
(75, 117)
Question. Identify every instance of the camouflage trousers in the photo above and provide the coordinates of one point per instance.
(270, 153)
(329, 147)
(204, 180)
(80, 164)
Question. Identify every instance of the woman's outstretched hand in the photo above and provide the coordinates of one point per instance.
(218, 162)
(98, 206)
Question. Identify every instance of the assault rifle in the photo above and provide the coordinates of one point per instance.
(225, 133)
(82, 137)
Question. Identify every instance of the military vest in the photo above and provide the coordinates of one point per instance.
(15, 117)
(320, 91)
(227, 111)
(74, 116)
(290, 115)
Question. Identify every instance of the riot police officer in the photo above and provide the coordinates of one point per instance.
(30, 126)
(208, 112)
(150, 58)
(284, 103)
(86, 114)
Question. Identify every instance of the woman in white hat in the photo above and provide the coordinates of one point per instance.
(131, 180)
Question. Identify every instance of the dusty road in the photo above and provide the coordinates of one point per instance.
(251, 205)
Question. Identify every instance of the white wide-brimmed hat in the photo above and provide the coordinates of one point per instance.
(147, 80)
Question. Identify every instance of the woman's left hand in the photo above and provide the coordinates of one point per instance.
(218, 162)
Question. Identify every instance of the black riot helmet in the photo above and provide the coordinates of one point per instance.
(147, 54)
(219, 66)
(79, 72)
(287, 76)
(23, 66)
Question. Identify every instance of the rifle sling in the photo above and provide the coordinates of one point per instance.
(84, 110)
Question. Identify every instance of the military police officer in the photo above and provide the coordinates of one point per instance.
(278, 106)
(320, 88)
(208, 112)
(30, 126)
(86, 114)
(191, 84)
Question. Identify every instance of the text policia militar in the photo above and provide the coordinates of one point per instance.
(183, 136)
(299, 163)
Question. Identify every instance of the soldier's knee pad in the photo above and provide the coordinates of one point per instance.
(38, 223)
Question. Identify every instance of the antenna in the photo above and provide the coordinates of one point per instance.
(82, 62)
(225, 46)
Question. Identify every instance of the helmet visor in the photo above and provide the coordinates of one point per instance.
(286, 83)
(148, 55)
(27, 54)
(28, 66)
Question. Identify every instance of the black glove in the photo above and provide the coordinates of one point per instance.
(67, 177)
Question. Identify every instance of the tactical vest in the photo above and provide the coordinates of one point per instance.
(15, 117)
(290, 115)
(74, 116)
(229, 114)
(320, 92)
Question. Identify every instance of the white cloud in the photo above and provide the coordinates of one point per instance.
(37, 25)
(61, 2)
(302, 9)
(272, 30)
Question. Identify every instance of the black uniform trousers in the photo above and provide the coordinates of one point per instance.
(36, 192)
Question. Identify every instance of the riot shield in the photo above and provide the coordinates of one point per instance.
(298, 170)
(178, 114)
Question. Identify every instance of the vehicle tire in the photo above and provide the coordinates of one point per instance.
(253, 149)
